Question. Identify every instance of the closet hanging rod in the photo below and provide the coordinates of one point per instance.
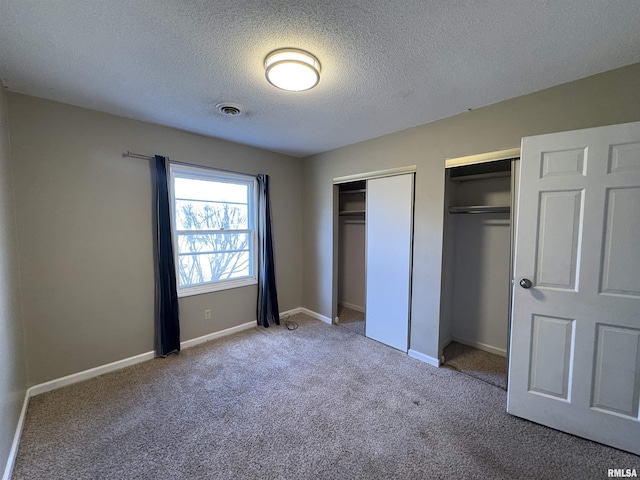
(481, 209)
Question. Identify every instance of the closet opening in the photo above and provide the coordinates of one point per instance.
(477, 269)
(352, 255)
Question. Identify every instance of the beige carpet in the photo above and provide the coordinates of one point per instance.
(318, 402)
(351, 319)
(484, 366)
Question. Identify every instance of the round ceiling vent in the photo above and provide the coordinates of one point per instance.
(230, 109)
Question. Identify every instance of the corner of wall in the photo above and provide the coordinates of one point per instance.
(13, 371)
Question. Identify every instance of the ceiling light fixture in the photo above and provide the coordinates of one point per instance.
(292, 69)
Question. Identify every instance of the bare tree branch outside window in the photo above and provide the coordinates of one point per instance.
(206, 256)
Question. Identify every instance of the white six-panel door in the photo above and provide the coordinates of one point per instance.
(575, 340)
(389, 247)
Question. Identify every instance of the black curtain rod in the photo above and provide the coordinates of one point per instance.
(175, 162)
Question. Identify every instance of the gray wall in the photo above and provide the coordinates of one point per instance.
(84, 230)
(85, 233)
(351, 271)
(13, 378)
(609, 98)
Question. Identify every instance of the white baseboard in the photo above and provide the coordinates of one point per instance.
(481, 346)
(315, 315)
(126, 362)
(13, 453)
(424, 358)
(143, 357)
(293, 311)
(222, 333)
(87, 374)
(352, 306)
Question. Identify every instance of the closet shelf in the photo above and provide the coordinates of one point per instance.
(350, 213)
(481, 209)
(348, 192)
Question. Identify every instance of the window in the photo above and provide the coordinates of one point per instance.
(214, 229)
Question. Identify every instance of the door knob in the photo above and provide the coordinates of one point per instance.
(525, 283)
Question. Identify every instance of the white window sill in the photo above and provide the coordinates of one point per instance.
(216, 287)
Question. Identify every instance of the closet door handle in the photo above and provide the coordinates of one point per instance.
(526, 283)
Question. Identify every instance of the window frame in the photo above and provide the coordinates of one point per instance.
(211, 174)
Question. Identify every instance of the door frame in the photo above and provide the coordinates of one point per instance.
(337, 181)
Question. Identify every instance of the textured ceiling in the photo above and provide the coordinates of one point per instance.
(386, 65)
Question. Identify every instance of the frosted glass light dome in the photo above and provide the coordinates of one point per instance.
(292, 69)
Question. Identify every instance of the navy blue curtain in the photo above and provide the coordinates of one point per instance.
(267, 309)
(167, 326)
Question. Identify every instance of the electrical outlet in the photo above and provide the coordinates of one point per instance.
(207, 314)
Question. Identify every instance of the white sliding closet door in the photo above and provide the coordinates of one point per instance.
(389, 248)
